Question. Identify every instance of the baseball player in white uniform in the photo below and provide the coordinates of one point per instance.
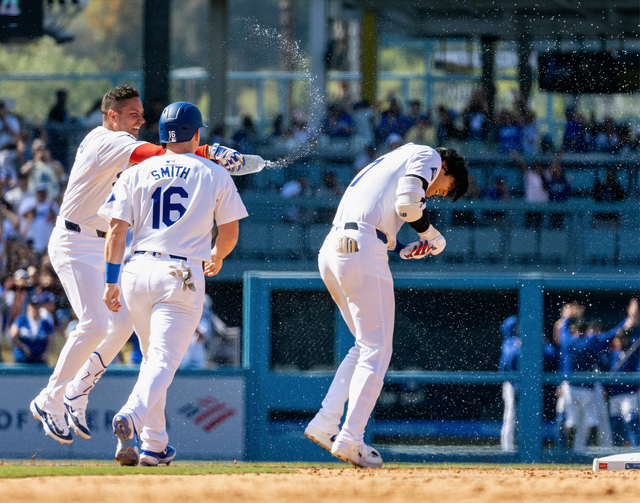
(171, 202)
(354, 266)
(76, 249)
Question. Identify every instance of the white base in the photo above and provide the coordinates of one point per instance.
(629, 461)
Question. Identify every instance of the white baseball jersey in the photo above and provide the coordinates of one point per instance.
(172, 201)
(371, 196)
(101, 157)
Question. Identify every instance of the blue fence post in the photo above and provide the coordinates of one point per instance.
(530, 317)
(256, 359)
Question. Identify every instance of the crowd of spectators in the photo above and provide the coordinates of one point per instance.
(364, 132)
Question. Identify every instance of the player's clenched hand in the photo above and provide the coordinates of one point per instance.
(230, 159)
(111, 297)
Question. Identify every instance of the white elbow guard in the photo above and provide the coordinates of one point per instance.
(410, 198)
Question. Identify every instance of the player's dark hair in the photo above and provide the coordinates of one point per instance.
(456, 167)
(115, 99)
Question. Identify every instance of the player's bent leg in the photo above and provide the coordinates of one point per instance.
(76, 396)
(171, 323)
(154, 435)
(329, 417)
(373, 307)
(325, 426)
(79, 263)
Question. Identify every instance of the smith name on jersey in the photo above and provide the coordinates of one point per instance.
(161, 191)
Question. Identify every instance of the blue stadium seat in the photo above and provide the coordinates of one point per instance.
(523, 243)
(599, 245)
(629, 246)
(488, 242)
(286, 240)
(553, 245)
(458, 244)
(254, 240)
(581, 180)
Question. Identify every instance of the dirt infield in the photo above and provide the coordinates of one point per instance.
(344, 485)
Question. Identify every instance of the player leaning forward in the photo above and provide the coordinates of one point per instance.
(171, 202)
(354, 266)
(76, 249)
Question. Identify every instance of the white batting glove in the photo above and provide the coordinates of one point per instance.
(418, 249)
(435, 239)
(230, 159)
(184, 271)
(431, 243)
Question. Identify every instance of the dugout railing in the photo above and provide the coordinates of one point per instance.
(273, 390)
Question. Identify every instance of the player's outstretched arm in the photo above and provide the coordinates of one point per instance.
(225, 243)
(113, 255)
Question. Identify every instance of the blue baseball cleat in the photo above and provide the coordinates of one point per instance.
(149, 458)
(127, 453)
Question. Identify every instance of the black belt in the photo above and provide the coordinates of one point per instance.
(177, 257)
(76, 228)
(354, 226)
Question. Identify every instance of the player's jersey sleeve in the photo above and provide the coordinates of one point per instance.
(119, 201)
(229, 205)
(118, 149)
(425, 162)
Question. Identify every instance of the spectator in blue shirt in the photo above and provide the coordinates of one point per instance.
(509, 132)
(573, 139)
(393, 121)
(559, 190)
(31, 334)
(246, 138)
(337, 123)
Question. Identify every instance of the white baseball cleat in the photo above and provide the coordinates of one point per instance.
(77, 421)
(127, 453)
(54, 426)
(362, 456)
(322, 438)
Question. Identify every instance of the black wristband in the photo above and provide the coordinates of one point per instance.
(422, 224)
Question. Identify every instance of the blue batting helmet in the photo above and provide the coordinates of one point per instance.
(179, 122)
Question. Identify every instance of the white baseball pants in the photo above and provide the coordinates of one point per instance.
(362, 287)
(78, 260)
(624, 405)
(581, 414)
(165, 318)
(508, 431)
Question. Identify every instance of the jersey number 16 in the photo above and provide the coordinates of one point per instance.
(162, 204)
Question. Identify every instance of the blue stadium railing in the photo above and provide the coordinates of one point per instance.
(269, 390)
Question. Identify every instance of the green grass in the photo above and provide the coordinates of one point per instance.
(62, 468)
(11, 469)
